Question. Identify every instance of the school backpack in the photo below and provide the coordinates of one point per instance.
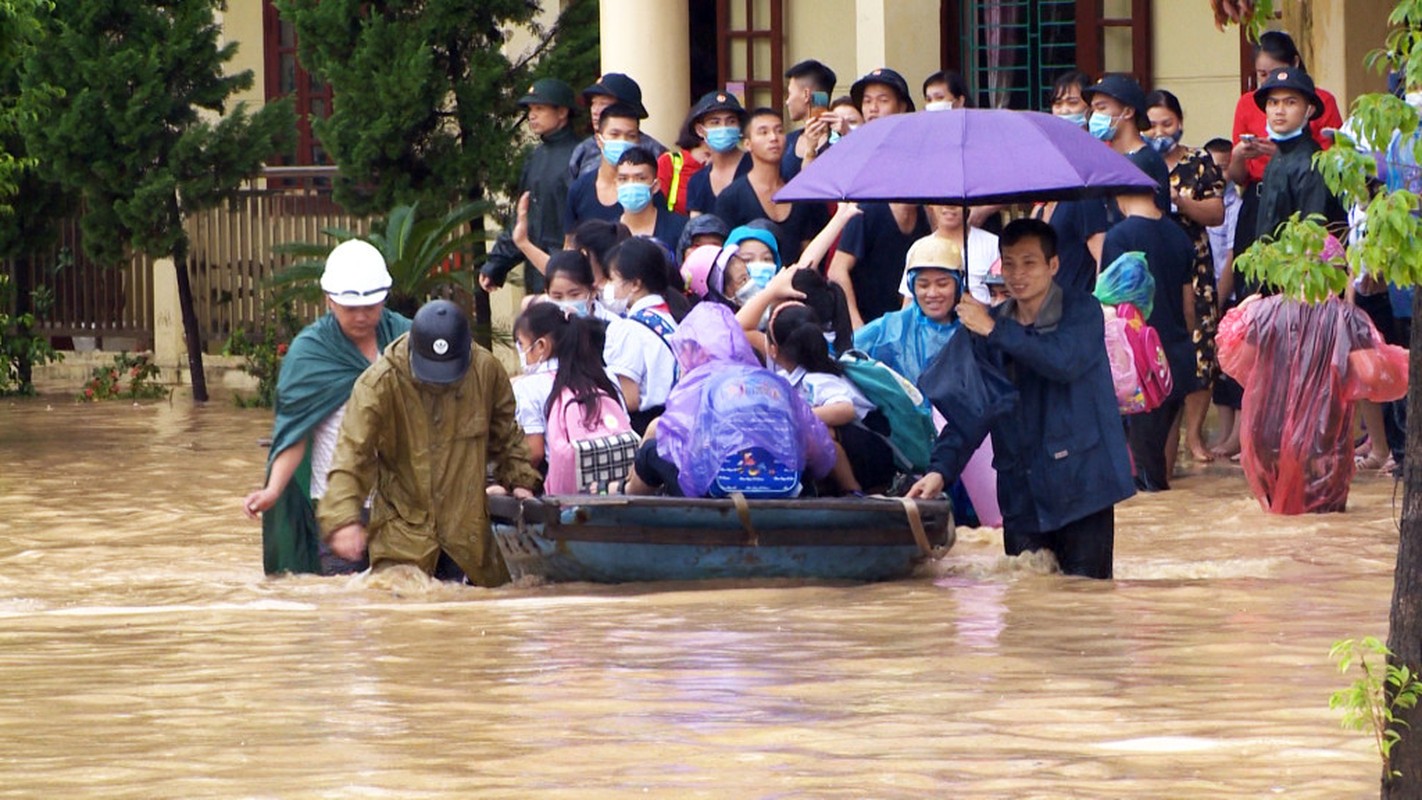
(910, 425)
(1139, 370)
(745, 418)
(579, 454)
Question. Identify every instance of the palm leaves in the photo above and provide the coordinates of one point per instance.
(426, 256)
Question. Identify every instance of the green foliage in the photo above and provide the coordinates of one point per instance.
(420, 251)
(19, 28)
(1386, 248)
(1298, 260)
(19, 342)
(262, 354)
(1381, 689)
(130, 377)
(118, 104)
(427, 109)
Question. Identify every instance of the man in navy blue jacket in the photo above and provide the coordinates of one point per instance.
(1060, 451)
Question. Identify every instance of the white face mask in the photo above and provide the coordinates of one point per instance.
(938, 105)
(614, 304)
(748, 290)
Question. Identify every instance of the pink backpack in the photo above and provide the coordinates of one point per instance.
(1139, 371)
(579, 454)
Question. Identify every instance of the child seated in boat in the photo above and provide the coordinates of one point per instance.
(908, 339)
(731, 426)
(796, 344)
(565, 394)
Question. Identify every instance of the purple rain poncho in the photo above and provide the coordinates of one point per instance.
(711, 348)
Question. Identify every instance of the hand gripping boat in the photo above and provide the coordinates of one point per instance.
(619, 539)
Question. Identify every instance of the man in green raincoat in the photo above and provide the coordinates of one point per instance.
(316, 377)
(421, 428)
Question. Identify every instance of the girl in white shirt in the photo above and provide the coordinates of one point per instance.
(795, 341)
(645, 290)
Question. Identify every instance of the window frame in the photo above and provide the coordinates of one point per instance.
(728, 38)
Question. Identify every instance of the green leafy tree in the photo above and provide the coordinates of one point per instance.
(1295, 260)
(425, 107)
(141, 127)
(29, 205)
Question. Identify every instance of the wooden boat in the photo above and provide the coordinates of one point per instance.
(619, 539)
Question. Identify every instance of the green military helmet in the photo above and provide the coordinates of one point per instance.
(551, 92)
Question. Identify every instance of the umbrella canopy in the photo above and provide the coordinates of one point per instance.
(967, 156)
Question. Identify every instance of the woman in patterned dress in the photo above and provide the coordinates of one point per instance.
(1197, 202)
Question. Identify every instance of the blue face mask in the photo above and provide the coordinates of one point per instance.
(723, 139)
(613, 150)
(634, 197)
(1102, 126)
(761, 272)
(1078, 119)
(581, 308)
(1165, 144)
(1285, 137)
(834, 137)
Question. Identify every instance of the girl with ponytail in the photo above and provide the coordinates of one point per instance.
(795, 342)
(565, 392)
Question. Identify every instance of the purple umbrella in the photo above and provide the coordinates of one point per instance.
(970, 156)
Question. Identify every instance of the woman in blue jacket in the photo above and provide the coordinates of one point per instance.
(1060, 452)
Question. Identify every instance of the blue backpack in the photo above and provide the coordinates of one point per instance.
(911, 431)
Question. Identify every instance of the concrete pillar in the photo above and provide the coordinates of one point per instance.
(1334, 37)
(169, 348)
(646, 39)
(903, 35)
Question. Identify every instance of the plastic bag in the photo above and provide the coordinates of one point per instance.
(1125, 378)
(1127, 280)
(1300, 374)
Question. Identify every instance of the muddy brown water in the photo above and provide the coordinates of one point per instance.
(143, 654)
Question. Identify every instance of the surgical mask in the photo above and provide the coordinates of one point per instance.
(634, 197)
(1414, 99)
(938, 105)
(579, 307)
(1102, 126)
(614, 304)
(1164, 144)
(834, 137)
(723, 139)
(761, 272)
(1276, 136)
(746, 292)
(613, 150)
(1078, 118)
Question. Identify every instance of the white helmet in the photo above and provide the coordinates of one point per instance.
(356, 274)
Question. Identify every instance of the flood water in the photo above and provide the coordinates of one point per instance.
(143, 654)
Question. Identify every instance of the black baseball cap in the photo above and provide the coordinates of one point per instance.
(887, 77)
(1125, 90)
(1289, 78)
(549, 92)
(440, 343)
(619, 87)
(718, 101)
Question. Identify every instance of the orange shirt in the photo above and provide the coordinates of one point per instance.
(1250, 118)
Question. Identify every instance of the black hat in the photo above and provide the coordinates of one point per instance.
(440, 343)
(1125, 90)
(884, 76)
(549, 92)
(718, 101)
(1290, 78)
(619, 87)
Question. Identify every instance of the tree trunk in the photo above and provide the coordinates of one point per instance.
(190, 325)
(1405, 629)
(24, 304)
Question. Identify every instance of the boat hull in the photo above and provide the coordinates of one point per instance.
(620, 540)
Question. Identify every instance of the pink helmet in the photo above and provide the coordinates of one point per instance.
(703, 267)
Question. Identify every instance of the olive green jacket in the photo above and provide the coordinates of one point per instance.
(425, 450)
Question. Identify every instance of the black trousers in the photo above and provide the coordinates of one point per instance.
(1147, 434)
(1085, 547)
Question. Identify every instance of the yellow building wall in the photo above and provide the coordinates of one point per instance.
(1199, 64)
(1334, 37)
(912, 45)
(242, 23)
(824, 30)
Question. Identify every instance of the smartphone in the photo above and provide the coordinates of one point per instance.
(1247, 137)
(819, 100)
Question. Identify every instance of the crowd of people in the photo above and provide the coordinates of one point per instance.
(708, 340)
